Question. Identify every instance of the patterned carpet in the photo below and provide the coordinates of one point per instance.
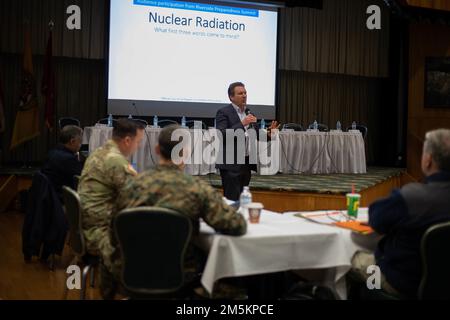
(326, 183)
(323, 183)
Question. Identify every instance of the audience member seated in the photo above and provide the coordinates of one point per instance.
(64, 160)
(168, 187)
(404, 217)
(105, 173)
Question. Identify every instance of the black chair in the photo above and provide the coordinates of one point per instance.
(191, 123)
(361, 128)
(44, 227)
(436, 263)
(76, 181)
(294, 126)
(141, 121)
(153, 243)
(166, 122)
(65, 121)
(435, 266)
(320, 126)
(105, 121)
(76, 240)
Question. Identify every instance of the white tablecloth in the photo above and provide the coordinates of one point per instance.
(146, 156)
(280, 242)
(299, 152)
(322, 152)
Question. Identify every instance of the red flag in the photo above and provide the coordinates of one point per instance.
(48, 85)
(26, 126)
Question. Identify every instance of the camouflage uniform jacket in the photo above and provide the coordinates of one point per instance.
(105, 173)
(166, 186)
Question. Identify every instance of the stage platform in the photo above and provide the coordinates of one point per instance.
(281, 192)
(284, 192)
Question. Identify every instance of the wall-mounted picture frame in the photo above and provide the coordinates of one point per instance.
(437, 82)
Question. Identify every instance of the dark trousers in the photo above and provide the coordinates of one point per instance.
(233, 182)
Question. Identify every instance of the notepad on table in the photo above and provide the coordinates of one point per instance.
(355, 226)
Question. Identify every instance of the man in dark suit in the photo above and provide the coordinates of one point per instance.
(63, 161)
(236, 116)
(403, 218)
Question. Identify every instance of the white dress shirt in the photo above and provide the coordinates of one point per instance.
(241, 114)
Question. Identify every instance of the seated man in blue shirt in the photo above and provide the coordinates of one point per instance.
(403, 218)
(63, 161)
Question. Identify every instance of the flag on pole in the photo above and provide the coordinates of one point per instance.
(26, 126)
(48, 85)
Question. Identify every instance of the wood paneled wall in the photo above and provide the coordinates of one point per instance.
(430, 4)
(426, 40)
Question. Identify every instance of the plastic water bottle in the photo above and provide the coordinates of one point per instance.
(244, 200)
(134, 165)
(315, 125)
(183, 121)
(215, 124)
(130, 116)
(338, 126)
(110, 120)
(155, 121)
(353, 125)
(263, 124)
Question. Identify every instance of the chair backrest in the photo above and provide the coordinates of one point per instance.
(153, 242)
(141, 121)
(436, 263)
(166, 122)
(361, 128)
(43, 202)
(105, 121)
(191, 124)
(39, 181)
(76, 181)
(65, 121)
(322, 127)
(73, 213)
(295, 126)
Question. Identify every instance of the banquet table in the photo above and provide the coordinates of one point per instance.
(281, 242)
(294, 152)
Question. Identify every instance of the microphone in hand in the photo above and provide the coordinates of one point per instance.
(250, 119)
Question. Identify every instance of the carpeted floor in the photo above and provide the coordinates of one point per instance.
(318, 183)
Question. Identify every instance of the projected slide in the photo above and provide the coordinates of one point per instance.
(177, 58)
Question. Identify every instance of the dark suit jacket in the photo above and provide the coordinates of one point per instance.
(45, 223)
(227, 118)
(403, 222)
(61, 166)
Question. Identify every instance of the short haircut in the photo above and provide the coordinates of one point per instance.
(69, 132)
(233, 86)
(126, 128)
(437, 143)
(165, 142)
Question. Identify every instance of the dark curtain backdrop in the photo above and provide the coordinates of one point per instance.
(330, 66)
(327, 98)
(80, 93)
(334, 40)
(79, 65)
(87, 43)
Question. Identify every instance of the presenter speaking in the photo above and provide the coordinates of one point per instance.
(236, 116)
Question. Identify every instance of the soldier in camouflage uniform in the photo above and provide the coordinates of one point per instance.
(166, 186)
(105, 173)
